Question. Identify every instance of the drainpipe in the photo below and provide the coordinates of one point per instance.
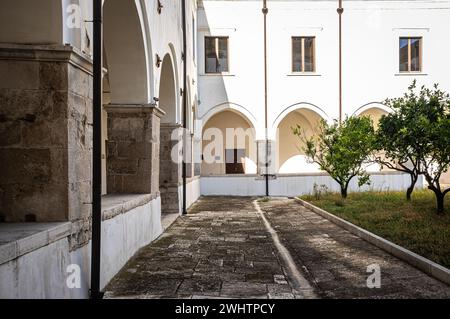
(95, 292)
(265, 10)
(185, 103)
(340, 10)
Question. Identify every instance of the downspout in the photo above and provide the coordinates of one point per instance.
(340, 10)
(185, 102)
(95, 292)
(265, 10)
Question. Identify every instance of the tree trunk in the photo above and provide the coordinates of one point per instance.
(440, 203)
(343, 191)
(410, 189)
(439, 200)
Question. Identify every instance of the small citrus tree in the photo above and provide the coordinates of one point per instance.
(416, 137)
(397, 131)
(341, 149)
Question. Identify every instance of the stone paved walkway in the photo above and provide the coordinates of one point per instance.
(224, 249)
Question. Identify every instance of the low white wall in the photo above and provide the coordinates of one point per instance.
(42, 273)
(125, 234)
(294, 185)
(192, 191)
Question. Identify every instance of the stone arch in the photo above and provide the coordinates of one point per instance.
(126, 52)
(226, 154)
(290, 158)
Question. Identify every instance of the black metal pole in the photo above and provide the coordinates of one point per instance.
(185, 108)
(265, 10)
(340, 10)
(95, 292)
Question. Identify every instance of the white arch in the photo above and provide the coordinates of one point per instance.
(372, 105)
(168, 94)
(126, 51)
(173, 55)
(142, 11)
(239, 109)
(295, 107)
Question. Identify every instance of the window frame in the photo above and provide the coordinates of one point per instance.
(302, 53)
(216, 47)
(409, 38)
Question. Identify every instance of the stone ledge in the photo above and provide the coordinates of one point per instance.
(427, 266)
(117, 204)
(134, 108)
(18, 239)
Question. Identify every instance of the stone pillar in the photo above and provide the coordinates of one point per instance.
(45, 134)
(170, 167)
(261, 163)
(133, 149)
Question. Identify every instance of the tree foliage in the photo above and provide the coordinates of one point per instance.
(341, 149)
(418, 134)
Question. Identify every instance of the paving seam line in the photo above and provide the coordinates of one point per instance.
(299, 281)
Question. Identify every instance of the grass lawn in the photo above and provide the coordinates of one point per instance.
(413, 225)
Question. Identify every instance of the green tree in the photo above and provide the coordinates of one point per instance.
(417, 134)
(341, 149)
(396, 132)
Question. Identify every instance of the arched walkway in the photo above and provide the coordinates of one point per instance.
(128, 155)
(291, 157)
(170, 173)
(125, 53)
(375, 111)
(229, 146)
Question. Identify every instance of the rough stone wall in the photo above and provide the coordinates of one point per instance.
(46, 134)
(133, 149)
(170, 171)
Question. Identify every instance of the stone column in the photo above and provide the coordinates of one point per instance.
(45, 134)
(133, 149)
(170, 167)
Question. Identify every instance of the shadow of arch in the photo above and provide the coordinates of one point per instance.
(125, 52)
(233, 107)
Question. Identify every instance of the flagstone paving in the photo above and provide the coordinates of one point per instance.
(223, 249)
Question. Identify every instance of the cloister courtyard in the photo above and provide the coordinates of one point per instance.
(242, 247)
(192, 149)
